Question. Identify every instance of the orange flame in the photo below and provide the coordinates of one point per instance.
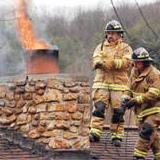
(27, 35)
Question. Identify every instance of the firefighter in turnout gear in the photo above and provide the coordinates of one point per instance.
(111, 60)
(145, 98)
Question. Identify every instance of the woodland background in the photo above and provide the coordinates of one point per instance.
(77, 35)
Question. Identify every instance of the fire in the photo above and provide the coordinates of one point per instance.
(24, 25)
(41, 58)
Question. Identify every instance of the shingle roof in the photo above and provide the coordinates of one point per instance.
(99, 151)
(9, 151)
(104, 150)
(15, 147)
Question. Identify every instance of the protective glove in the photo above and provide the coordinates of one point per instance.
(98, 66)
(131, 103)
(124, 100)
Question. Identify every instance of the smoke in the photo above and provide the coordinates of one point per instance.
(11, 55)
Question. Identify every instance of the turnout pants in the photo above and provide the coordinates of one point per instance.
(109, 99)
(148, 137)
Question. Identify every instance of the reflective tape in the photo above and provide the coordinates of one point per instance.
(96, 131)
(148, 112)
(139, 153)
(116, 137)
(114, 87)
(152, 90)
(155, 91)
(139, 99)
(118, 63)
(157, 155)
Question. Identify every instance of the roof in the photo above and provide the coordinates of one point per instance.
(10, 151)
(13, 146)
(16, 150)
(104, 150)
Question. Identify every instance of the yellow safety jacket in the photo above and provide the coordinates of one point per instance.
(146, 91)
(114, 59)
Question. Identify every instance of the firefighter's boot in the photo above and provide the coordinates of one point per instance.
(138, 158)
(116, 142)
(93, 137)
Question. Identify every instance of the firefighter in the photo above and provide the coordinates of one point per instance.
(145, 93)
(111, 63)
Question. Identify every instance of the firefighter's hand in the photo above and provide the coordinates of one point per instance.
(131, 103)
(125, 99)
(98, 66)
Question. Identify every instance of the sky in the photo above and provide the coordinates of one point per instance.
(89, 3)
(85, 3)
(73, 3)
(67, 7)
